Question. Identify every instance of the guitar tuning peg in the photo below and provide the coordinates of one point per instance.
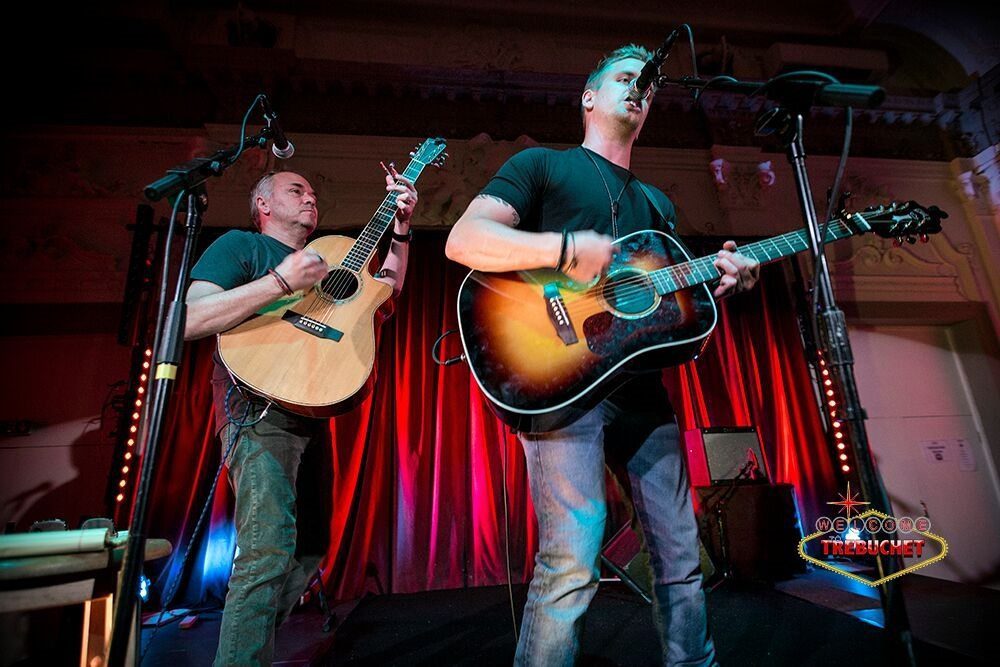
(924, 238)
(911, 239)
(897, 242)
(413, 154)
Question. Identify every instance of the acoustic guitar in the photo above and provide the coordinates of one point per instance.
(545, 349)
(313, 352)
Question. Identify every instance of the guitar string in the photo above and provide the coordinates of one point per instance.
(324, 312)
(387, 206)
(678, 273)
(586, 301)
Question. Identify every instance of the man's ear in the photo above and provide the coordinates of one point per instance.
(262, 207)
(587, 99)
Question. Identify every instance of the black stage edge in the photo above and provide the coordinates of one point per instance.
(811, 620)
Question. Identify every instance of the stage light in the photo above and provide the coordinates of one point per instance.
(840, 445)
(144, 587)
(142, 390)
(119, 497)
(145, 364)
(132, 429)
(829, 392)
(838, 435)
(845, 468)
(122, 483)
(832, 404)
(142, 377)
(124, 470)
(138, 402)
(843, 457)
(828, 382)
(149, 352)
(128, 455)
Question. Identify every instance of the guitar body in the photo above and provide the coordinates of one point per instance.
(313, 354)
(545, 350)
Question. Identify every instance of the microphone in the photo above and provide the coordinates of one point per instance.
(281, 146)
(640, 85)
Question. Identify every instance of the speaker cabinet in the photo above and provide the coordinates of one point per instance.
(720, 454)
(626, 556)
(752, 531)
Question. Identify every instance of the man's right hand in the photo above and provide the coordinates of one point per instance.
(588, 255)
(302, 269)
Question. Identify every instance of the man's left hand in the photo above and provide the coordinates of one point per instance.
(406, 200)
(739, 272)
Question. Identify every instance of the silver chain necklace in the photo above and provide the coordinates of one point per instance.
(613, 202)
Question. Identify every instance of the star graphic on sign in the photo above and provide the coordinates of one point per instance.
(848, 502)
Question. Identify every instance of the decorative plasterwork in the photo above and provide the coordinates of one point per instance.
(878, 270)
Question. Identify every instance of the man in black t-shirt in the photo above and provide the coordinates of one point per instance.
(240, 273)
(563, 210)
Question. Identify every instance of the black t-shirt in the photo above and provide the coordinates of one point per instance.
(554, 190)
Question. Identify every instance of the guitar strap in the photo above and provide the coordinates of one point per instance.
(670, 225)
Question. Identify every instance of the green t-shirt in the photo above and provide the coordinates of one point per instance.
(237, 258)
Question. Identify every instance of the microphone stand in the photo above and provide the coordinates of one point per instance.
(186, 180)
(794, 97)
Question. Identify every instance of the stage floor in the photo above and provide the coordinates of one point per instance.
(815, 619)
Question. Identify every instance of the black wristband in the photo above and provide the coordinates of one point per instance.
(562, 252)
(403, 238)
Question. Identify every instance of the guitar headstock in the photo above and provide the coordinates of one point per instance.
(904, 221)
(431, 152)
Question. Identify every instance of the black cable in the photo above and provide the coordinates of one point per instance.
(506, 536)
(694, 59)
(831, 203)
(240, 425)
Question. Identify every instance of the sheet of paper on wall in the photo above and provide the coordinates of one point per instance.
(936, 451)
(966, 459)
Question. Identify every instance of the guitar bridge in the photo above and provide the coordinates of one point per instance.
(558, 315)
(312, 326)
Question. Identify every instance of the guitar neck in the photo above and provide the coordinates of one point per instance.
(702, 270)
(361, 252)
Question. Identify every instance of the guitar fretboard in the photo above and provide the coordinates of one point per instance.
(361, 252)
(702, 270)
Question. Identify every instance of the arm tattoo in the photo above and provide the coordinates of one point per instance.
(513, 211)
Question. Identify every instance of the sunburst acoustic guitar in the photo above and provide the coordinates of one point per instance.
(545, 350)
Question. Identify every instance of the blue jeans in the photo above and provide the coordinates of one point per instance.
(566, 474)
(266, 579)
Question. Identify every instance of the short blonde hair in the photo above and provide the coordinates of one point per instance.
(621, 53)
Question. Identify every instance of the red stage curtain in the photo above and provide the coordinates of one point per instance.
(419, 469)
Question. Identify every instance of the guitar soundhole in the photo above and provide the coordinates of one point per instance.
(630, 293)
(339, 284)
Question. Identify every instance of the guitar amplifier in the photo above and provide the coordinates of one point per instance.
(752, 531)
(626, 556)
(719, 454)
